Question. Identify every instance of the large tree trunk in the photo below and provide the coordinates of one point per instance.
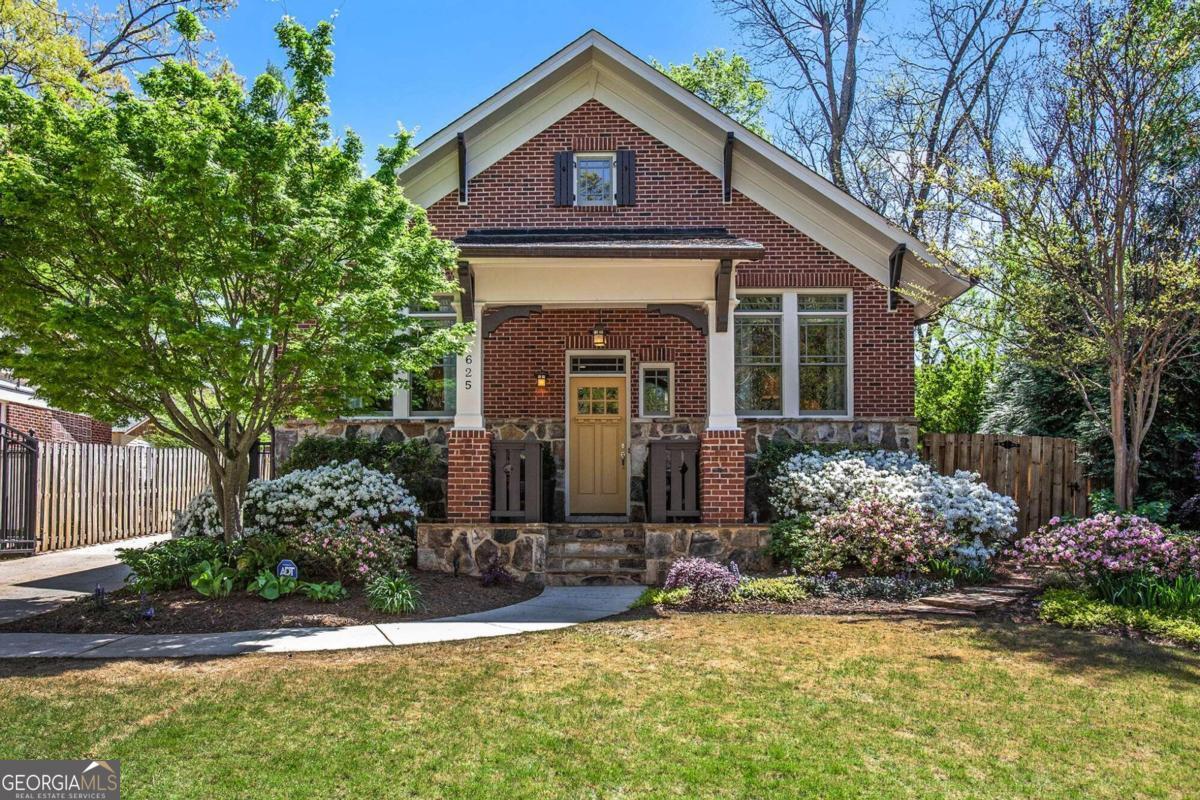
(1122, 492)
(229, 480)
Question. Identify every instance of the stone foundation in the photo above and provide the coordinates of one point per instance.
(568, 554)
(467, 550)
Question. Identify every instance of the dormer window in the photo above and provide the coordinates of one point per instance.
(595, 179)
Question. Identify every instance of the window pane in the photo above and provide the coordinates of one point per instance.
(434, 393)
(822, 339)
(756, 340)
(760, 302)
(758, 389)
(378, 406)
(821, 302)
(594, 181)
(656, 392)
(822, 389)
(440, 305)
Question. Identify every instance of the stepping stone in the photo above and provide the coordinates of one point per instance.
(968, 601)
(923, 608)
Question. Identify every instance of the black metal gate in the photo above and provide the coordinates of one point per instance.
(18, 492)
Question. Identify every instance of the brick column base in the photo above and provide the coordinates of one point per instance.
(469, 476)
(722, 477)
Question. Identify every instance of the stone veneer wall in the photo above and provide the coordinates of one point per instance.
(522, 549)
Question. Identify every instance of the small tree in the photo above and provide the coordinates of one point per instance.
(1096, 250)
(210, 257)
(726, 83)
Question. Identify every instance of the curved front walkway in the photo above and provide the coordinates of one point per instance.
(556, 607)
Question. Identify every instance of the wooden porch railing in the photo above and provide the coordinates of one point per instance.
(673, 480)
(517, 481)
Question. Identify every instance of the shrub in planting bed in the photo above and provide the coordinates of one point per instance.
(885, 537)
(1108, 544)
(709, 582)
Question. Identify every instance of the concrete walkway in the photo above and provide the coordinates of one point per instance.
(556, 607)
(43, 582)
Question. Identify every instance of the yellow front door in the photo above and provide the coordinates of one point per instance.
(599, 429)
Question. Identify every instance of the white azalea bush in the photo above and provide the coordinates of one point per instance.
(843, 498)
(308, 498)
(819, 484)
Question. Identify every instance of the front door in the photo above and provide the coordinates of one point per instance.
(599, 426)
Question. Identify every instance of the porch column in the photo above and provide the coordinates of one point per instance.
(722, 446)
(469, 445)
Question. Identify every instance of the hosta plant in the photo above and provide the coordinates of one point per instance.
(213, 579)
(270, 586)
(169, 564)
(329, 592)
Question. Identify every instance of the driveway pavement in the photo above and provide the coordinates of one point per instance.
(40, 583)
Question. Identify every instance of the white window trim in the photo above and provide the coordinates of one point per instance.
(401, 393)
(790, 330)
(612, 199)
(670, 368)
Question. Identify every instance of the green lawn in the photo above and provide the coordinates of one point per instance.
(689, 706)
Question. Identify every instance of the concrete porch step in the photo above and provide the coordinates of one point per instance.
(589, 548)
(607, 564)
(593, 578)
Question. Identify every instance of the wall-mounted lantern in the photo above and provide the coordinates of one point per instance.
(541, 380)
(599, 337)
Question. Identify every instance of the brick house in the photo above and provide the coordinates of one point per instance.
(641, 269)
(22, 410)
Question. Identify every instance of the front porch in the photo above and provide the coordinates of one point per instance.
(614, 349)
(564, 554)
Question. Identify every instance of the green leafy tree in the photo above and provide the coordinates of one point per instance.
(1096, 251)
(43, 45)
(952, 380)
(210, 256)
(724, 82)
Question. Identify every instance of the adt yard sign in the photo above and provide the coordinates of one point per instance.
(287, 569)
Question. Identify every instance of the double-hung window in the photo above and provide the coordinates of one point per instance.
(430, 395)
(758, 354)
(793, 354)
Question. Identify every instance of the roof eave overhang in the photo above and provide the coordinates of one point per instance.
(469, 251)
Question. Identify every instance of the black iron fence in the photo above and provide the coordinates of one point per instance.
(18, 491)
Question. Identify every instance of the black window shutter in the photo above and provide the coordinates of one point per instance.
(564, 192)
(626, 178)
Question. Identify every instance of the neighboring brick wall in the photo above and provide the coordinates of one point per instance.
(518, 191)
(722, 476)
(522, 347)
(52, 425)
(468, 482)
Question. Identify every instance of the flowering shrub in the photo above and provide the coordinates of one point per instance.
(799, 544)
(886, 537)
(307, 498)
(709, 582)
(352, 551)
(820, 485)
(1108, 544)
(899, 588)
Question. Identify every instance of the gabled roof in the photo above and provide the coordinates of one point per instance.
(595, 67)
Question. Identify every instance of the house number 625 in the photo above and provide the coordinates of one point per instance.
(468, 371)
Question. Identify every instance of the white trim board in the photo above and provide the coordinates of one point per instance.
(594, 67)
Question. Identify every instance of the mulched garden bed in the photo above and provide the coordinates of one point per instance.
(185, 611)
(824, 606)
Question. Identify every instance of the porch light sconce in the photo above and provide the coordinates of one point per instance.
(541, 380)
(599, 337)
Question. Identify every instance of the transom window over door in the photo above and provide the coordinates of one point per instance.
(793, 354)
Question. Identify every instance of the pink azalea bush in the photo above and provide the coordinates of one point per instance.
(708, 581)
(352, 552)
(1104, 545)
(886, 537)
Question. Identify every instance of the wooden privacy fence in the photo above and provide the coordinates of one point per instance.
(1042, 473)
(94, 493)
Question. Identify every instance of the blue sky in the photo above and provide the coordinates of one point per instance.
(424, 64)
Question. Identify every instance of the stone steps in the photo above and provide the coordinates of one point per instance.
(604, 555)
